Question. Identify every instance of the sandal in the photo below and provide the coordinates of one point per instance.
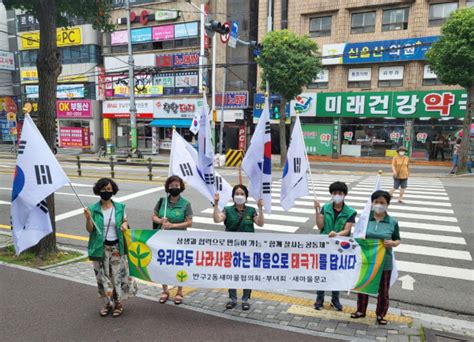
(118, 309)
(357, 314)
(381, 321)
(105, 310)
(400, 201)
(164, 297)
(230, 305)
(245, 306)
(178, 299)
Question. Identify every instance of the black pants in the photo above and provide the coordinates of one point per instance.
(320, 295)
(245, 296)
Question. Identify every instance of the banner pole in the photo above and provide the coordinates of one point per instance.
(82, 203)
(309, 166)
(169, 170)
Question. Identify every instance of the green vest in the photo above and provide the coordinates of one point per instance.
(329, 224)
(232, 220)
(97, 237)
(175, 212)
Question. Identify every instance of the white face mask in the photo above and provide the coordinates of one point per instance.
(379, 208)
(402, 153)
(239, 199)
(337, 198)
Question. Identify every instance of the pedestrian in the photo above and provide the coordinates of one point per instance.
(400, 172)
(239, 218)
(335, 218)
(384, 227)
(456, 154)
(106, 221)
(440, 145)
(173, 212)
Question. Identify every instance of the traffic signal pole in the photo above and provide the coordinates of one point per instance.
(131, 83)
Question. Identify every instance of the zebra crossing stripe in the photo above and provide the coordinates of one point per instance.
(433, 251)
(429, 226)
(367, 194)
(398, 214)
(410, 188)
(435, 270)
(433, 238)
(266, 226)
(285, 218)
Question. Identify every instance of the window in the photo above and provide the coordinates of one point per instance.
(395, 19)
(359, 78)
(439, 13)
(321, 81)
(363, 22)
(430, 78)
(284, 14)
(81, 54)
(320, 27)
(470, 3)
(391, 76)
(28, 58)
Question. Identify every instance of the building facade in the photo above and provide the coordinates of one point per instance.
(375, 91)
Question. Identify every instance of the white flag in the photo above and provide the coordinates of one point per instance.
(37, 175)
(257, 163)
(206, 151)
(294, 182)
(360, 229)
(184, 163)
(394, 274)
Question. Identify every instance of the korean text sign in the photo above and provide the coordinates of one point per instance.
(257, 261)
(74, 109)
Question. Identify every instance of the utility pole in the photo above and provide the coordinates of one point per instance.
(269, 29)
(131, 83)
(221, 135)
(213, 93)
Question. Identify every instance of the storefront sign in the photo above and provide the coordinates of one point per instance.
(165, 32)
(403, 104)
(186, 30)
(408, 134)
(242, 138)
(74, 137)
(7, 61)
(421, 137)
(348, 135)
(141, 35)
(119, 37)
(65, 37)
(410, 49)
(177, 108)
(143, 17)
(66, 109)
(395, 136)
(303, 105)
(121, 109)
(186, 59)
(26, 21)
(31, 76)
(259, 104)
(64, 91)
(391, 73)
(360, 74)
(107, 128)
(233, 99)
(336, 136)
(164, 15)
(100, 83)
(318, 139)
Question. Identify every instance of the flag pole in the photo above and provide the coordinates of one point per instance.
(169, 170)
(82, 203)
(309, 165)
(267, 102)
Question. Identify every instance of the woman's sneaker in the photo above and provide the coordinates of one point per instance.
(319, 303)
(336, 304)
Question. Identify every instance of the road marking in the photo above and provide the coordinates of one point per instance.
(5, 202)
(434, 238)
(435, 270)
(287, 218)
(398, 214)
(429, 226)
(61, 235)
(407, 282)
(417, 188)
(266, 226)
(58, 193)
(367, 194)
(433, 251)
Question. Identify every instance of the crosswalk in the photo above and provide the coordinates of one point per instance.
(432, 240)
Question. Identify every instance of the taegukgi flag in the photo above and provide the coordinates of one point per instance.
(184, 163)
(206, 151)
(37, 175)
(257, 163)
(294, 182)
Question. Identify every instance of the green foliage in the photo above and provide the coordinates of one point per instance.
(452, 57)
(289, 62)
(96, 12)
(30, 259)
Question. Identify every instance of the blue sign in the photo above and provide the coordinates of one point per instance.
(233, 99)
(141, 35)
(186, 30)
(410, 49)
(259, 101)
(234, 34)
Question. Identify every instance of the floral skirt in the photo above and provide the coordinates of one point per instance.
(113, 276)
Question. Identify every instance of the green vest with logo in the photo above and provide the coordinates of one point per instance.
(338, 225)
(234, 223)
(175, 212)
(97, 237)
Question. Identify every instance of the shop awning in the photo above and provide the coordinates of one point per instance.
(179, 123)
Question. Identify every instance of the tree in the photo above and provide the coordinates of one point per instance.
(50, 15)
(452, 60)
(289, 63)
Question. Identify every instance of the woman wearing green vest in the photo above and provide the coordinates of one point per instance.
(334, 219)
(174, 213)
(239, 218)
(383, 227)
(105, 221)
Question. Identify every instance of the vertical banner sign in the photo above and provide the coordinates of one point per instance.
(242, 138)
(335, 137)
(408, 136)
(86, 137)
(107, 129)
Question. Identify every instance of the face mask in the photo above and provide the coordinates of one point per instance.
(379, 208)
(402, 153)
(239, 199)
(337, 198)
(175, 191)
(106, 195)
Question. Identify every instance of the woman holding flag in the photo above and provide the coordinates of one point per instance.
(106, 221)
(173, 213)
(384, 227)
(239, 218)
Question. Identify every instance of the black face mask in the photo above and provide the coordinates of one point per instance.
(174, 191)
(106, 195)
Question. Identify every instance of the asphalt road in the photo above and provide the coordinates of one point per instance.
(436, 227)
(39, 307)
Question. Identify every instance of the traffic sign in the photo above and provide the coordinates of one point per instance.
(234, 34)
(225, 37)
